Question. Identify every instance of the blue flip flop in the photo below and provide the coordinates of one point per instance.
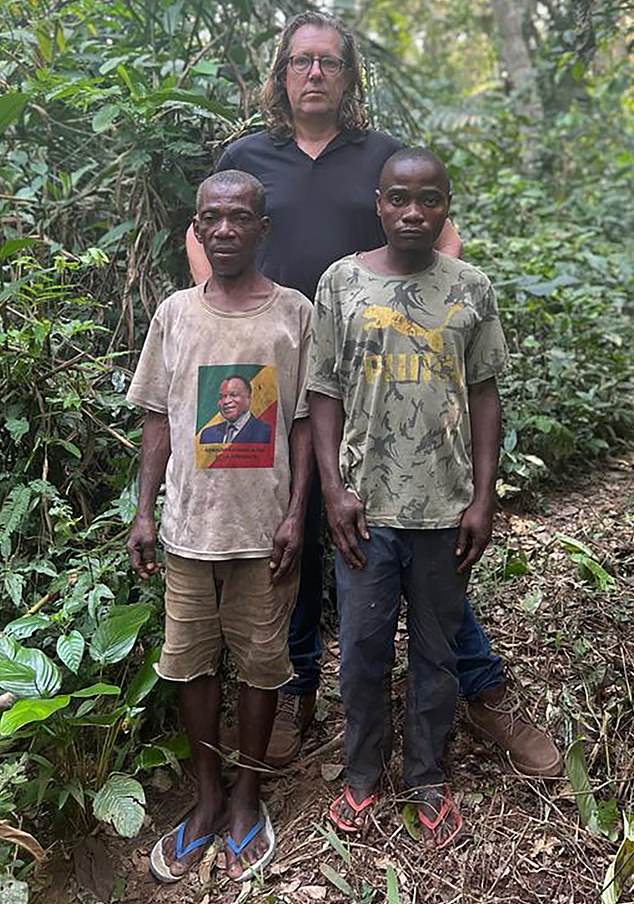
(237, 847)
(159, 865)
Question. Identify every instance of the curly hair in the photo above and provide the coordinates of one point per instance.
(273, 98)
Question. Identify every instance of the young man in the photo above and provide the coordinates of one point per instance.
(406, 422)
(234, 347)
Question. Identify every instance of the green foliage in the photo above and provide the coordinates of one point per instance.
(121, 802)
(599, 817)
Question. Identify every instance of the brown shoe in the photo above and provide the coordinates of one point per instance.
(496, 715)
(293, 716)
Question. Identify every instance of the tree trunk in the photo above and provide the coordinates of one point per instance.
(509, 18)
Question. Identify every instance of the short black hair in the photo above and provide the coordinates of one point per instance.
(236, 177)
(242, 379)
(416, 153)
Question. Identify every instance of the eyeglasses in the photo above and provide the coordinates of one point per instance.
(301, 63)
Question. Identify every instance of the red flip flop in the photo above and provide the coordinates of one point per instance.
(448, 809)
(358, 808)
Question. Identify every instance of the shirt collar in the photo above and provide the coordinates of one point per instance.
(238, 424)
(346, 136)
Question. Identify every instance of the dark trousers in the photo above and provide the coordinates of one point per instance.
(421, 564)
(478, 668)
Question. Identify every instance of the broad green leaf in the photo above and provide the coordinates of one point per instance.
(191, 98)
(121, 802)
(590, 570)
(113, 235)
(117, 634)
(17, 427)
(26, 626)
(336, 879)
(11, 246)
(25, 711)
(409, 818)
(98, 690)
(144, 680)
(393, 896)
(600, 819)
(70, 649)
(13, 891)
(206, 67)
(36, 676)
(572, 545)
(11, 105)
(168, 751)
(14, 585)
(621, 869)
(104, 118)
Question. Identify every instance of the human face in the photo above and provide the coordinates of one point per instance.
(311, 94)
(233, 400)
(413, 203)
(228, 228)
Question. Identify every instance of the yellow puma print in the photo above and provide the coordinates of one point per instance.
(380, 317)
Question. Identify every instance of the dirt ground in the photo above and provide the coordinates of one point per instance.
(570, 653)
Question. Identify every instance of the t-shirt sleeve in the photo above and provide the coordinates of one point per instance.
(322, 373)
(150, 384)
(487, 354)
(301, 408)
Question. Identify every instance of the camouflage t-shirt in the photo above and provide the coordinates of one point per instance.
(400, 352)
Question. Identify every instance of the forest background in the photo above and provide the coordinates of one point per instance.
(110, 114)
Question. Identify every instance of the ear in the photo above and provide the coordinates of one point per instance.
(449, 200)
(266, 225)
(377, 202)
(196, 225)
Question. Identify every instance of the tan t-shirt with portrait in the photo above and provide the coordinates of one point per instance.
(227, 483)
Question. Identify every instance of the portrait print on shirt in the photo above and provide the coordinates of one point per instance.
(236, 416)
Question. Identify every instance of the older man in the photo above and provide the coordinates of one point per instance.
(320, 166)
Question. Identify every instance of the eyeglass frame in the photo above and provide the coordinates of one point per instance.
(312, 57)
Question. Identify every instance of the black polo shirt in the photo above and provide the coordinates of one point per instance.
(320, 209)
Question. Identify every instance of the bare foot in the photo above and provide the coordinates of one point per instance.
(346, 813)
(436, 806)
(206, 818)
(244, 813)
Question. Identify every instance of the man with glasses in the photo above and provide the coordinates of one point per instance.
(320, 164)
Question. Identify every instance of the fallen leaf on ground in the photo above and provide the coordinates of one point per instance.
(12, 835)
(314, 892)
(330, 772)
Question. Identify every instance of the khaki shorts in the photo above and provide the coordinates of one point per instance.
(235, 601)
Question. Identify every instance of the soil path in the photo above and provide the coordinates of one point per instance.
(570, 649)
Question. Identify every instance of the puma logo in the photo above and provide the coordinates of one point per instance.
(380, 317)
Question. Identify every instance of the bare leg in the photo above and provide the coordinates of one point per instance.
(256, 710)
(200, 708)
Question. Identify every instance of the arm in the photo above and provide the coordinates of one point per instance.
(155, 452)
(199, 266)
(477, 520)
(289, 537)
(449, 242)
(345, 511)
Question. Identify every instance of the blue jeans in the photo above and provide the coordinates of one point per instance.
(478, 668)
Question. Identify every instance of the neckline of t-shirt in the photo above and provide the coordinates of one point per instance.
(356, 257)
(253, 312)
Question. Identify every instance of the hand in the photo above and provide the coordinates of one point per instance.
(474, 534)
(287, 547)
(346, 516)
(141, 547)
